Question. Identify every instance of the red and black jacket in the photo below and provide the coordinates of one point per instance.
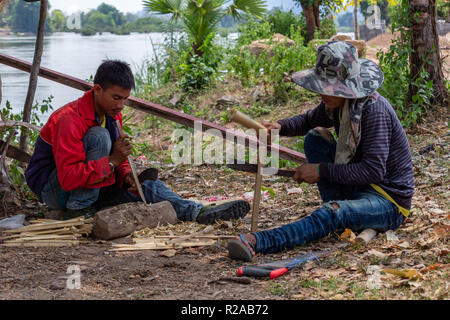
(60, 146)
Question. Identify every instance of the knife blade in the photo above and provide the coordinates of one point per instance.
(248, 167)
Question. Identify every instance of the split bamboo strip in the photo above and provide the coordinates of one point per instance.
(60, 243)
(157, 246)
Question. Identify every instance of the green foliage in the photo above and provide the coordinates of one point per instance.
(201, 18)
(282, 22)
(272, 70)
(346, 19)
(23, 16)
(327, 29)
(16, 172)
(200, 71)
(57, 21)
(253, 30)
(397, 75)
(443, 9)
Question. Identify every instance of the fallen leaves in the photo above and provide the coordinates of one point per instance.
(348, 236)
(404, 273)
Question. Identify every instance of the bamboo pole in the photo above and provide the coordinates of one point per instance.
(133, 168)
(242, 119)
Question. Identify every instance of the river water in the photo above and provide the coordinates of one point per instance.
(71, 54)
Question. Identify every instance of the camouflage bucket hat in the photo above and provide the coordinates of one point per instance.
(339, 72)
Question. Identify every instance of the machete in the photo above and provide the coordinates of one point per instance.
(248, 167)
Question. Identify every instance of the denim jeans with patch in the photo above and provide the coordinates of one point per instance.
(359, 207)
(97, 144)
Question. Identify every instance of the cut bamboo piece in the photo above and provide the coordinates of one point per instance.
(208, 229)
(60, 243)
(161, 246)
(45, 226)
(46, 237)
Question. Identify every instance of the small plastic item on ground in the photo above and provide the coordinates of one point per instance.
(142, 157)
(250, 195)
(216, 198)
(14, 222)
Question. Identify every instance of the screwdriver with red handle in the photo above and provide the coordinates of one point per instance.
(275, 269)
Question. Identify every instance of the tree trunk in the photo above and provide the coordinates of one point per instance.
(311, 23)
(39, 46)
(355, 17)
(425, 45)
(316, 14)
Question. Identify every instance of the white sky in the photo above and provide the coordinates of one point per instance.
(70, 6)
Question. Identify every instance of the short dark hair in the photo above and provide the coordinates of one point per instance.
(114, 72)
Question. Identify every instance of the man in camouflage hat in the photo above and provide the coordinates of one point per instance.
(365, 178)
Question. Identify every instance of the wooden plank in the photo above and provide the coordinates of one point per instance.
(149, 107)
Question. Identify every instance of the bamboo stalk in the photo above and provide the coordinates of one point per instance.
(46, 226)
(157, 246)
(60, 243)
(208, 229)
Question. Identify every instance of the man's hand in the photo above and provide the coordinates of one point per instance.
(129, 180)
(309, 173)
(269, 126)
(121, 150)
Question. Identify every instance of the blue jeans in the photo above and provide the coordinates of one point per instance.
(358, 207)
(97, 144)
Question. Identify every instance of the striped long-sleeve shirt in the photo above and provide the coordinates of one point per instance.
(383, 156)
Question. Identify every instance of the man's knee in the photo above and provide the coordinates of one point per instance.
(314, 136)
(322, 132)
(97, 138)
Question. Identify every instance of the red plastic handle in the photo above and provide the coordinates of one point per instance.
(278, 272)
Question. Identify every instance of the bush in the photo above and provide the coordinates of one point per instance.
(88, 31)
(200, 71)
(271, 71)
(282, 22)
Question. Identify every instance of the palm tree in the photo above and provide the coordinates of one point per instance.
(201, 17)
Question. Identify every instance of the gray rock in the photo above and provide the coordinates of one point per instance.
(121, 220)
(14, 222)
(226, 101)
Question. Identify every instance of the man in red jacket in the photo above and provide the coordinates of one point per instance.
(80, 164)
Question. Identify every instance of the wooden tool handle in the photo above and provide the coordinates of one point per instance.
(246, 121)
(133, 169)
(208, 229)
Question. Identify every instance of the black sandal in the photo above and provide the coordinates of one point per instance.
(238, 250)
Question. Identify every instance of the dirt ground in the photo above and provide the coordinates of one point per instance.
(383, 41)
(422, 246)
